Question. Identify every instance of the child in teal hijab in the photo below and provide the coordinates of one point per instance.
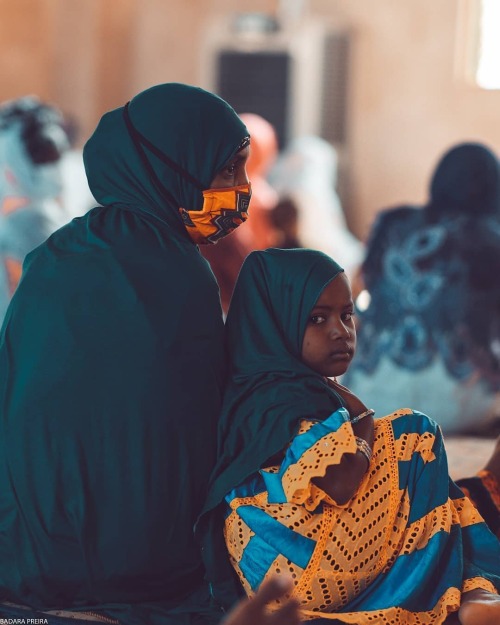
(360, 513)
(112, 370)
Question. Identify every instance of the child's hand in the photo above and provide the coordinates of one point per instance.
(253, 611)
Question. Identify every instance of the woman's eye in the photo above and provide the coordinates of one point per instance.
(230, 169)
(348, 316)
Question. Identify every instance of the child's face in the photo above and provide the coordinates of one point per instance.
(330, 336)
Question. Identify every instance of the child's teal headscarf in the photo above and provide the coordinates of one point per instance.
(270, 389)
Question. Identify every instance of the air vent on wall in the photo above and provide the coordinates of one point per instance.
(335, 87)
(296, 78)
(257, 82)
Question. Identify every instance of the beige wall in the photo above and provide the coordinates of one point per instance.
(407, 102)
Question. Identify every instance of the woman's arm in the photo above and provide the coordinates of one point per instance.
(341, 481)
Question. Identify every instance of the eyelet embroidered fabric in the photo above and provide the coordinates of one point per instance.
(337, 556)
(314, 462)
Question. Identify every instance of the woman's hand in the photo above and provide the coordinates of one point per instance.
(254, 611)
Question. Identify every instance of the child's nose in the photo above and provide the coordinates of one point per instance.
(339, 330)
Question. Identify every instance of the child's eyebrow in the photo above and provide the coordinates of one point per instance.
(325, 307)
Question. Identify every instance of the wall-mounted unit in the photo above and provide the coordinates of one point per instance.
(295, 77)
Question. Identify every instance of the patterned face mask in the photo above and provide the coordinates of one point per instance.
(222, 212)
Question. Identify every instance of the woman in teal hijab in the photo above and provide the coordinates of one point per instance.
(112, 369)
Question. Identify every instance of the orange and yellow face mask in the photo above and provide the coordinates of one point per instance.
(222, 212)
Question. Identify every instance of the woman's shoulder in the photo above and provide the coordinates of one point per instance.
(123, 252)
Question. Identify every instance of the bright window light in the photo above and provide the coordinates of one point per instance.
(488, 68)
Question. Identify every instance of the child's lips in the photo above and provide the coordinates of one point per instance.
(341, 355)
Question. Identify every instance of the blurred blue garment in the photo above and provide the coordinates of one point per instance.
(429, 320)
(32, 143)
(76, 196)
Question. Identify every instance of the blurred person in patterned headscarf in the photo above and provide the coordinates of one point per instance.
(429, 319)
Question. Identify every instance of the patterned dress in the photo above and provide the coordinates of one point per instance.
(402, 550)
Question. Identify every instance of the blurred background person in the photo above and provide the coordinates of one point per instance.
(33, 142)
(284, 218)
(306, 172)
(258, 232)
(429, 319)
(76, 196)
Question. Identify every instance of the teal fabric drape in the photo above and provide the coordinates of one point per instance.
(111, 372)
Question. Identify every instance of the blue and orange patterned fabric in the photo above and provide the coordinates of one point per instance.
(483, 490)
(402, 550)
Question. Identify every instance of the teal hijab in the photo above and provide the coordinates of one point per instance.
(270, 390)
(112, 369)
(161, 150)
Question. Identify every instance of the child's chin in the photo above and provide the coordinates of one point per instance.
(333, 372)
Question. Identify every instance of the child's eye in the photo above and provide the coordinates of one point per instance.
(317, 319)
(348, 316)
